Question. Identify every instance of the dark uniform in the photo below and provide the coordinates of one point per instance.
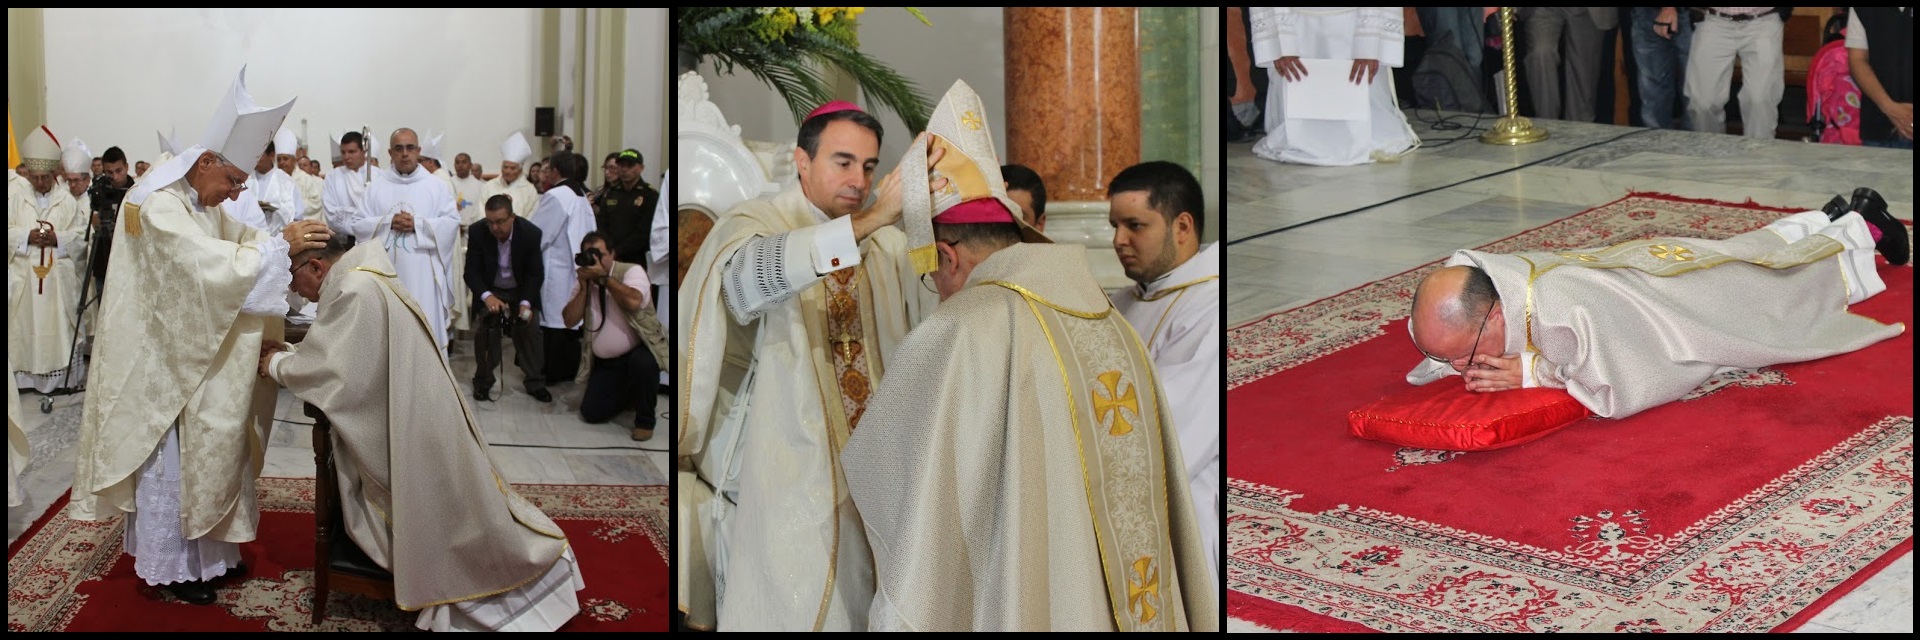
(626, 218)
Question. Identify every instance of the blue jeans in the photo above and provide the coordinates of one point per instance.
(1662, 62)
(1895, 142)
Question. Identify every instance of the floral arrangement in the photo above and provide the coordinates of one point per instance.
(788, 47)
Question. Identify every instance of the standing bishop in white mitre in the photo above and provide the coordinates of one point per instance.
(512, 180)
(411, 212)
(1370, 37)
(174, 431)
(1156, 211)
(46, 228)
(346, 185)
(430, 158)
(286, 148)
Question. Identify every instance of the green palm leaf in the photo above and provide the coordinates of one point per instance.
(791, 65)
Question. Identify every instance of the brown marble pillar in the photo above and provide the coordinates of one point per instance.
(1073, 96)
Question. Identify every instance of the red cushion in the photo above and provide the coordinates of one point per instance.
(1445, 415)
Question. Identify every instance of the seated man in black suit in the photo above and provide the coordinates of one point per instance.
(506, 294)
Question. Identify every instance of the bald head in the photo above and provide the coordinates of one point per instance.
(1449, 308)
(404, 149)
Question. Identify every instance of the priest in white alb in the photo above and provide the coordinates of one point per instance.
(1018, 469)
(271, 194)
(1156, 211)
(410, 212)
(790, 313)
(1362, 45)
(175, 426)
(46, 231)
(346, 185)
(565, 217)
(467, 187)
(511, 180)
(418, 491)
(284, 147)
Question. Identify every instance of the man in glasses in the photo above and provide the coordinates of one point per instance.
(411, 213)
(1635, 325)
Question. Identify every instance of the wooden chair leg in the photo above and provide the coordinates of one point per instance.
(323, 510)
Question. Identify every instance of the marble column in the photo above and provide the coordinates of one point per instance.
(1073, 96)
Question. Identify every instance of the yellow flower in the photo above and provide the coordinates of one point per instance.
(826, 14)
(854, 12)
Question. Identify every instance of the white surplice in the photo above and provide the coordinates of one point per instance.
(1341, 33)
(565, 218)
(424, 257)
(1178, 319)
(341, 194)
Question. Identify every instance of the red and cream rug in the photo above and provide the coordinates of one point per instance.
(1749, 506)
(66, 575)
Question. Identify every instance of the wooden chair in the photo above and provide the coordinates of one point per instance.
(338, 563)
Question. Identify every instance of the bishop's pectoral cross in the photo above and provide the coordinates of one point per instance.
(844, 343)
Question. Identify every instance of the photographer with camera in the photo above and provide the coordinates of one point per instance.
(103, 200)
(626, 339)
(504, 273)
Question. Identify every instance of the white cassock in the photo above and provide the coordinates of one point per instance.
(659, 268)
(1338, 33)
(1178, 319)
(466, 196)
(565, 218)
(40, 320)
(310, 189)
(341, 195)
(524, 196)
(423, 258)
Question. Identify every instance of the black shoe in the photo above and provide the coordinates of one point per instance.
(1893, 236)
(1835, 208)
(480, 395)
(542, 395)
(192, 592)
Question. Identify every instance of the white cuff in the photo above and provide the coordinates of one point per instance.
(270, 285)
(485, 295)
(59, 247)
(1856, 261)
(834, 247)
(1527, 380)
(273, 365)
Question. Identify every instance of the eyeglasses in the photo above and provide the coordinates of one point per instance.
(406, 147)
(928, 285)
(1455, 363)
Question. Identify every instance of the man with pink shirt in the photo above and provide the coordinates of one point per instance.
(624, 372)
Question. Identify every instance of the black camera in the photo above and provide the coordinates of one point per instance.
(586, 258)
(104, 198)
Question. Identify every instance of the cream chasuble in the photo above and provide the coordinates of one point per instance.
(1630, 327)
(210, 285)
(524, 196)
(423, 257)
(1017, 469)
(764, 414)
(310, 188)
(40, 319)
(1178, 317)
(420, 494)
(565, 218)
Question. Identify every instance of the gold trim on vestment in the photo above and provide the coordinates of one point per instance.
(1157, 295)
(925, 259)
(1036, 298)
(1086, 483)
(543, 572)
(1163, 317)
(131, 213)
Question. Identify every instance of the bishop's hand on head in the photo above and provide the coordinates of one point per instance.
(304, 235)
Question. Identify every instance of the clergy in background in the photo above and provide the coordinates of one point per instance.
(1372, 38)
(1018, 469)
(467, 187)
(284, 145)
(791, 311)
(1155, 209)
(409, 211)
(46, 228)
(277, 195)
(347, 184)
(169, 433)
(419, 493)
(510, 181)
(430, 158)
(565, 218)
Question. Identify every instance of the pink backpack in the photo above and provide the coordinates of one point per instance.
(1832, 97)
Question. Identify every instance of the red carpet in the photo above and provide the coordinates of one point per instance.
(1750, 506)
(64, 575)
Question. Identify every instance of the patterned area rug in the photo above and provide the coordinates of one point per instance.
(66, 575)
(1749, 506)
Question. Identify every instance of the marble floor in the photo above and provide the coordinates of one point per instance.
(531, 442)
(1448, 196)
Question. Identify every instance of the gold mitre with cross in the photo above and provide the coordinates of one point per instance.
(975, 192)
(240, 128)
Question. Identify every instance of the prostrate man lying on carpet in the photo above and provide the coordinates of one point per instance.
(418, 491)
(1632, 326)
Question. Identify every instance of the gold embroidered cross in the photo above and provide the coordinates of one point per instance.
(1146, 581)
(845, 343)
(1113, 401)
(971, 119)
(1672, 252)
